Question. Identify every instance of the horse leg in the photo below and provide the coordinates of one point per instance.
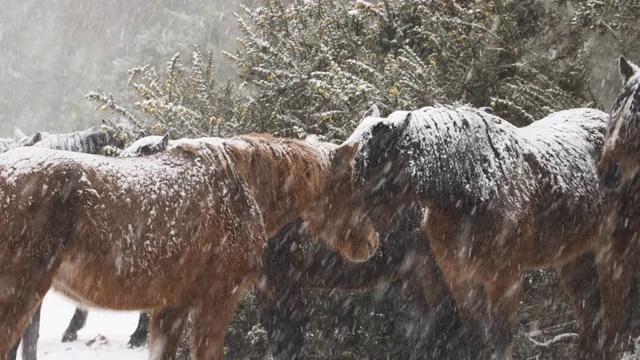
(13, 353)
(470, 299)
(211, 319)
(19, 298)
(78, 321)
(284, 319)
(165, 329)
(579, 279)
(616, 267)
(30, 337)
(446, 329)
(503, 293)
(139, 336)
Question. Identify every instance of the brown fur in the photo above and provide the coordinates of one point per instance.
(179, 232)
(544, 209)
(619, 174)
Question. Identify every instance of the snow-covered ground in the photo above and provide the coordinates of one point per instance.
(115, 327)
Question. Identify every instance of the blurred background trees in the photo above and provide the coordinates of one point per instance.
(294, 68)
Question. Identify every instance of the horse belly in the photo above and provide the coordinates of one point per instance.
(103, 284)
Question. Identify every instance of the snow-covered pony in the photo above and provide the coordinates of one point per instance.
(499, 200)
(146, 145)
(177, 232)
(619, 175)
(88, 141)
(619, 163)
(19, 139)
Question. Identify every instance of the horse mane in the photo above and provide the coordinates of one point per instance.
(467, 153)
(300, 166)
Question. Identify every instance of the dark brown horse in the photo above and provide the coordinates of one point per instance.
(295, 264)
(500, 200)
(619, 175)
(177, 232)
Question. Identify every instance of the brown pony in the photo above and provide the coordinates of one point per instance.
(619, 175)
(500, 200)
(294, 265)
(177, 232)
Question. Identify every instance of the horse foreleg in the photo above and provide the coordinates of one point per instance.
(446, 332)
(470, 299)
(30, 340)
(503, 293)
(19, 298)
(140, 335)
(616, 267)
(13, 353)
(30, 337)
(78, 321)
(284, 318)
(580, 281)
(211, 319)
(166, 327)
(12, 326)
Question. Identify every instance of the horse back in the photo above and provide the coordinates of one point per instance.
(123, 219)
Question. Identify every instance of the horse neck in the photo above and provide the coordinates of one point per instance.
(285, 176)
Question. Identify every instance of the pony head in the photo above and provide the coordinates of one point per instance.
(23, 140)
(619, 165)
(378, 167)
(339, 216)
(146, 145)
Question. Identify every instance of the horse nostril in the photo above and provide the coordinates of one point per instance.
(611, 177)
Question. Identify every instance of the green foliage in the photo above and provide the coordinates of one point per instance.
(313, 67)
(316, 65)
(183, 101)
(618, 18)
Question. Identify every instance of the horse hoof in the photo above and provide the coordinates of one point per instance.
(69, 337)
(137, 341)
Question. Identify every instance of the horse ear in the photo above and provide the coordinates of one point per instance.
(17, 134)
(345, 153)
(37, 137)
(627, 69)
(165, 140)
(141, 134)
(405, 122)
(372, 112)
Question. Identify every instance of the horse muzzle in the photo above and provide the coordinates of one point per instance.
(364, 251)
